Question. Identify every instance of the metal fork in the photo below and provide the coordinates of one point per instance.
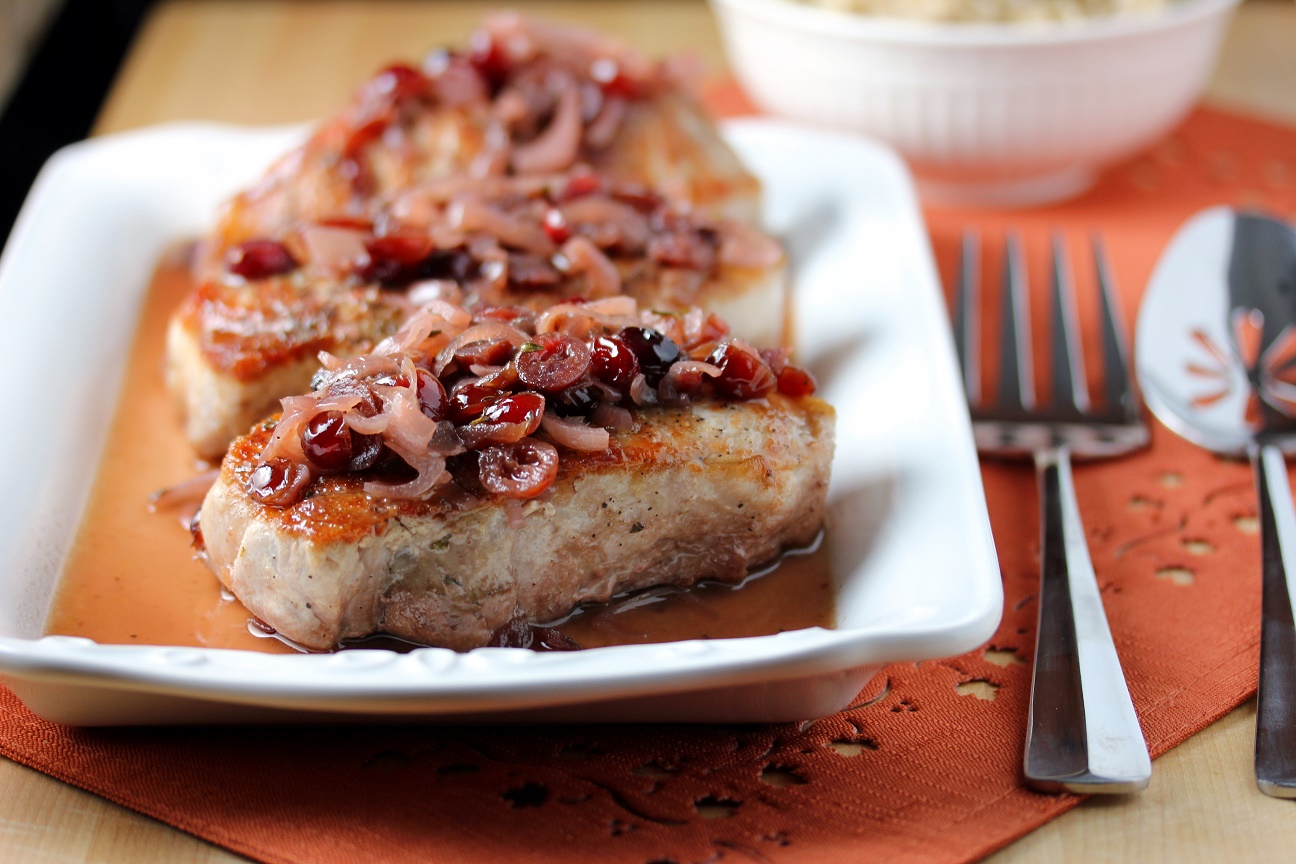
(1082, 735)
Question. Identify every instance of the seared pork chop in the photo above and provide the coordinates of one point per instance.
(704, 492)
(477, 468)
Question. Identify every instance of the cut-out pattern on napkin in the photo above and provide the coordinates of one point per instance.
(913, 771)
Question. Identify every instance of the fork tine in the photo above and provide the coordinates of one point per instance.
(1118, 386)
(1016, 371)
(1068, 355)
(967, 300)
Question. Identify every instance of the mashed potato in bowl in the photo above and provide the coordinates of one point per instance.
(991, 10)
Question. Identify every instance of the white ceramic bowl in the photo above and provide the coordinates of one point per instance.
(986, 114)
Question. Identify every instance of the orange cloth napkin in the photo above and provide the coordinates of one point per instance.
(925, 767)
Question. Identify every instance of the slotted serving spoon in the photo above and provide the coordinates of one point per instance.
(1216, 347)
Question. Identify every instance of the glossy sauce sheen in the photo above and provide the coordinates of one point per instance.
(132, 577)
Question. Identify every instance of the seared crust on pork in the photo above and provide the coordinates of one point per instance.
(703, 492)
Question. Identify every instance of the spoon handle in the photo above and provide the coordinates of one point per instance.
(1082, 734)
(1275, 753)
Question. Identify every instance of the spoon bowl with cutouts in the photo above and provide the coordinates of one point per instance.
(1216, 360)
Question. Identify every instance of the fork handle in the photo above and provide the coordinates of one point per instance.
(1275, 754)
(1082, 734)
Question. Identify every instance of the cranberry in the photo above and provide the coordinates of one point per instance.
(521, 470)
(259, 259)
(795, 381)
(469, 397)
(554, 361)
(454, 265)
(653, 350)
(488, 57)
(367, 451)
(555, 225)
(517, 632)
(531, 272)
(507, 419)
(609, 75)
(395, 259)
(578, 400)
(432, 396)
(398, 83)
(581, 185)
(743, 374)
(278, 483)
(359, 139)
(326, 441)
(612, 362)
(485, 352)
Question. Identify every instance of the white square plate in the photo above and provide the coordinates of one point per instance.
(910, 538)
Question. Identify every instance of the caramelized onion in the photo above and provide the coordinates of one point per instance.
(333, 249)
(430, 467)
(557, 147)
(601, 276)
(184, 492)
(475, 214)
(685, 378)
(575, 434)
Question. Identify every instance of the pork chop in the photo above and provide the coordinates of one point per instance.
(478, 468)
(706, 492)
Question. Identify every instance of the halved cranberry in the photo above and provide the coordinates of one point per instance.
(552, 362)
(521, 470)
(653, 350)
(278, 483)
(507, 419)
(555, 225)
(432, 396)
(260, 259)
(326, 441)
(795, 381)
(612, 362)
(486, 352)
(743, 374)
(469, 397)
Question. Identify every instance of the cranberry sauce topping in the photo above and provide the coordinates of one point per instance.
(454, 391)
(260, 259)
(522, 73)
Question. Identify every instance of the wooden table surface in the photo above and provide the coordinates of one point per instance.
(241, 62)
